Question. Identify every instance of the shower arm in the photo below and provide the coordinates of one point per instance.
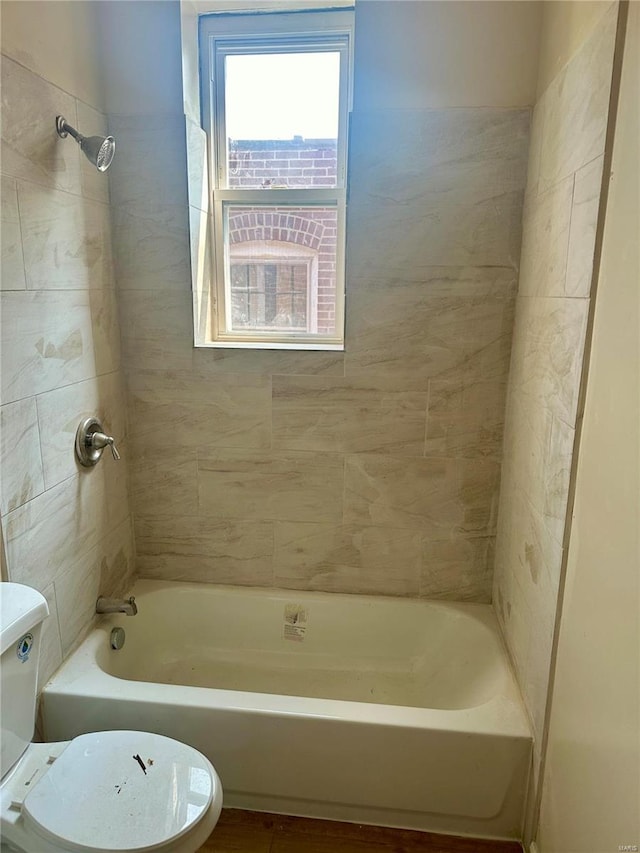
(65, 129)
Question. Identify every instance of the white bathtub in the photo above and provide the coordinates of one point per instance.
(376, 710)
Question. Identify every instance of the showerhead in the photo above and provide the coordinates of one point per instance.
(99, 150)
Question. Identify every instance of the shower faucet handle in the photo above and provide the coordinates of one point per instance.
(99, 441)
(91, 440)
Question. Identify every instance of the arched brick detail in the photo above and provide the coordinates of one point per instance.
(284, 227)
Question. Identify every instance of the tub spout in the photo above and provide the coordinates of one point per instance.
(116, 605)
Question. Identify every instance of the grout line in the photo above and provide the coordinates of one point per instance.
(426, 419)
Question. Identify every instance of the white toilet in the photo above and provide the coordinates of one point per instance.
(107, 791)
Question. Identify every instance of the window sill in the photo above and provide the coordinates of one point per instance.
(271, 345)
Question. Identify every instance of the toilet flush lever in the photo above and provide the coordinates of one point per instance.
(91, 440)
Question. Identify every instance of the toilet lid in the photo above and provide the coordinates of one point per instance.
(98, 795)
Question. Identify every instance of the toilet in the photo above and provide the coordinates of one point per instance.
(100, 792)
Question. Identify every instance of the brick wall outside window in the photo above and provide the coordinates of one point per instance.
(294, 163)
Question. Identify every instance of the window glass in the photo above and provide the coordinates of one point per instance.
(282, 267)
(281, 116)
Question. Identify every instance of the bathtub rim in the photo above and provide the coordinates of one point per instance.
(502, 714)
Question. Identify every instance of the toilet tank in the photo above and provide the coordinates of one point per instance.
(22, 612)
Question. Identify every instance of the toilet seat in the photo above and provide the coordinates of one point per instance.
(97, 796)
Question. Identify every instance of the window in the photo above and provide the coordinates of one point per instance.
(276, 95)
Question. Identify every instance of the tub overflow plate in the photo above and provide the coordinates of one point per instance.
(117, 638)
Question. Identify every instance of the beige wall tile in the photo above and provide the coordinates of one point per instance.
(50, 645)
(150, 169)
(152, 248)
(50, 533)
(432, 233)
(118, 560)
(106, 331)
(535, 149)
(52, 339)
(518, 626)
(66, 240)
(557, 472)
(526, 447)
(109, 565)
(582, 236)
(440, 497)
(536, 554)
(60, 412)
(319, 413)
(577, 104)
(183, 409)
(212, 362)
(545, 242)
(282, 485)
(548, 347)
(20, 461)
(157, 329)
(461, 155)
(465, 418)
(347, 558)
(528, 562)
(12, 269)
(536, 560)
(454, 322)
(47, 341)
(164, 484)
(116, 484)
(459, 569)
(77, 590)
(31, 148)
(206, 550)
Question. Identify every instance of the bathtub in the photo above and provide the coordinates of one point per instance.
(375, 710)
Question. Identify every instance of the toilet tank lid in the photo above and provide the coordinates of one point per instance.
(21, 608)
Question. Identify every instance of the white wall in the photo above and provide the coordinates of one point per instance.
(565, 26)
(591, 788)
(57, 41)
(420, 55)
(141, 56)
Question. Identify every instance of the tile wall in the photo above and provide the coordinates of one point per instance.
(370, 471)
(557, 264)
(67, 532)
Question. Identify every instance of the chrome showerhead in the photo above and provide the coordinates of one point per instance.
(99, 150)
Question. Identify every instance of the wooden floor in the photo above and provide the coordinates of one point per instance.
(255, 832)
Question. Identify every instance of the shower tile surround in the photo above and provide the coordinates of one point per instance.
(67, 532)
(394, 447)
(370, 471)
(559, 228)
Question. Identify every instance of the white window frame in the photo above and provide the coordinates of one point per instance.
(225, 34)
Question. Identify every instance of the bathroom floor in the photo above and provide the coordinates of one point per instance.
(256, 832)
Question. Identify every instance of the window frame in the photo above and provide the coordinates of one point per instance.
(224, 34)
